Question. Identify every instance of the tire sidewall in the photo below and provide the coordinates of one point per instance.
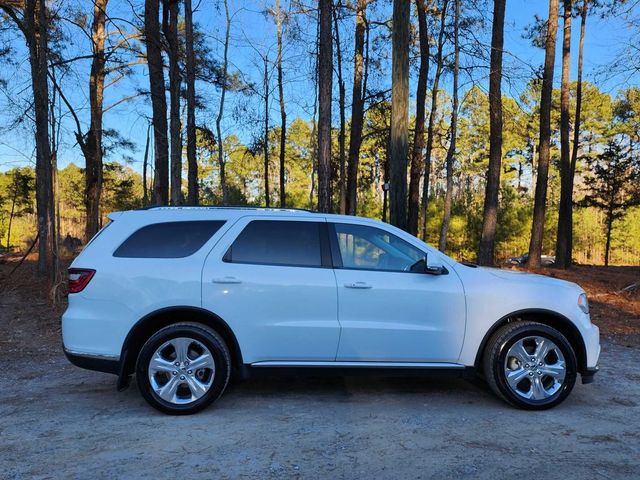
(570, 361)
(220, 379)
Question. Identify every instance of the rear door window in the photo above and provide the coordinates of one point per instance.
(168, 240)
(275, 242)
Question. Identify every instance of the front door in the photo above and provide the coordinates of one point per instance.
(388, 308)
(272, 282)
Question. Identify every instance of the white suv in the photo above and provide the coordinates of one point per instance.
(186, 297)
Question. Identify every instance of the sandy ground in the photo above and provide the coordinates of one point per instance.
(58, 421)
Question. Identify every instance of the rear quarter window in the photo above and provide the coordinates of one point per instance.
(168, 240)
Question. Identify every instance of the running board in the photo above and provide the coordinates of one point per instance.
(425, 369)
(411, 365)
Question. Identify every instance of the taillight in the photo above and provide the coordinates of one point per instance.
(79, 278)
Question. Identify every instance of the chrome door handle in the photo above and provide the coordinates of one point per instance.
(362, 285)
(226, 280)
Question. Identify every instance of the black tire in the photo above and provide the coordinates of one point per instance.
(205, 336)
(495, 357)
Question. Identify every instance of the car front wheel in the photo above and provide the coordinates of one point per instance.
(183, 368)
(530, 365)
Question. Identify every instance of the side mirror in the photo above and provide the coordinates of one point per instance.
(434, 270)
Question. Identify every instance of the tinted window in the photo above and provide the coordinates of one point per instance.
(168, 240)
(370, 248)
(278, 243)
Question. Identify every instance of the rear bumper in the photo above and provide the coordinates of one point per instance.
(99, 363)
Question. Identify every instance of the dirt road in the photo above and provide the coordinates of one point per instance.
(57, 421)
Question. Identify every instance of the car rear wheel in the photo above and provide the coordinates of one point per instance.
(183, 368)
(530, 365)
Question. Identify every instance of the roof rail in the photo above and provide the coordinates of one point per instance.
(231, 207)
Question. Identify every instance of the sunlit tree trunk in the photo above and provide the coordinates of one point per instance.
(537, 228)
(93, 156)
(283, 112)
(432, 120)
(342, 181)
(486, 251)
(33, 25)
(357, 109)
(451, 152)
(175, 80)
(325, 79)
(577, 125)
(192, 163)
(417, 157)
(145, 166)
(267, 197)
(223, 91)
(563, 257)
(399, 138)
(153, 43)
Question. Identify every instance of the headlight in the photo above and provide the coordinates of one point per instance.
(583, 303)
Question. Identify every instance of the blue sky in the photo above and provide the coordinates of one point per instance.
(253, 33)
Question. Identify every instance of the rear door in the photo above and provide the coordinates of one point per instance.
(271, 280)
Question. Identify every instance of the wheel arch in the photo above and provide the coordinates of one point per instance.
(158, 319)
(547, 317)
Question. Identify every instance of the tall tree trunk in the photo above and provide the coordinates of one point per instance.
(145, 165)
(93, 173)
(283, 112)
(35, 28)
(225, 67)
(432, 120)
(608, 242)
(563, 256)
(537, 228)
(576, 125)
(451, 152)
(342, 181)
(417, 157)
(13, 209)
(313, 139)
(267, 199)
(171, 34)
(486, 250)
(325, 79)
(192, 162)
(357, 110)
(153, 43)
(399, 137)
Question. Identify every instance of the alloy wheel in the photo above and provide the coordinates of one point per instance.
(181, 370)
(535, 368)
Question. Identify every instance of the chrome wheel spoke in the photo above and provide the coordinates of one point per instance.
(556, 371)
(168, 390)
(197, 388)
(514, 377)
(543, 348)
(203, 361)
(159, 364)
(181, 346)
(538, 391)
(518, 351)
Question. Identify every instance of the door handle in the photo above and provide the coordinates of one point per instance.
(361, 285)
(227, 279)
